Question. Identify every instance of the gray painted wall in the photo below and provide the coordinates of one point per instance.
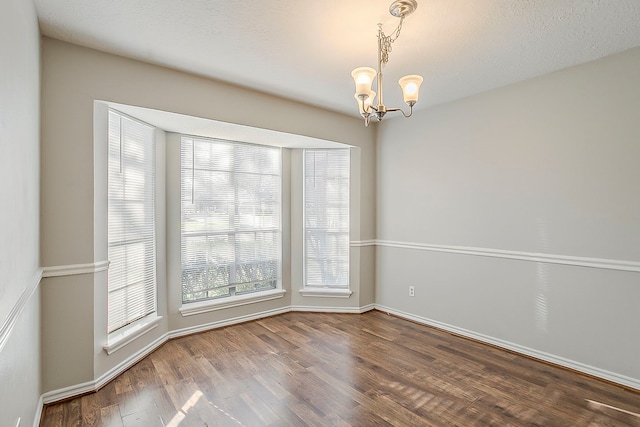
(73, 227)
(19, 215)
(546, 166)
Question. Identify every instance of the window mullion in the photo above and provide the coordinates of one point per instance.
(234, 226)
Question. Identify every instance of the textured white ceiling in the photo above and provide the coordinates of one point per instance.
(306, 49)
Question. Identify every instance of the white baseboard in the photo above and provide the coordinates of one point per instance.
(367, 307)
(227, 322)
(129, 362)
(328, 309)
(556, 360)
(68, 392)
(91, 386)
(38, 414)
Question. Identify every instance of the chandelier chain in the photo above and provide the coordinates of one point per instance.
(386, 41)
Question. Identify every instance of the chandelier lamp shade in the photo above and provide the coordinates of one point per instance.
(363, 77)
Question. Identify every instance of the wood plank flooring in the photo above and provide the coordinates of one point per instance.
(320, 369)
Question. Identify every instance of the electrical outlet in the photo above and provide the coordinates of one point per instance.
(412, 291)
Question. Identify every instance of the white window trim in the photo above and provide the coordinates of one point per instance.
(192, 308)
(326, 292)
(129, 333)
(242, 299)
(342, 291)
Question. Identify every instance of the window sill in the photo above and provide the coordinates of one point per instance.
(120, 338)
(326, 292)
(190, 309)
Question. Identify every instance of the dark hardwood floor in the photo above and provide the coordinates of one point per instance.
(321, 369)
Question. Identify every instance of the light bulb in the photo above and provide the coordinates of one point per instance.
(410, 88)
(363, 78)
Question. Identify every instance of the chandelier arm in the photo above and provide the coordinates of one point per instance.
(402, 111)
(367, 110)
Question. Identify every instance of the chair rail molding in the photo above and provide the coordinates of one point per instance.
(74, 269)
(14, 314)
(609, 264)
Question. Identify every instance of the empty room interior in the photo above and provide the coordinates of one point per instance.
(211, 215)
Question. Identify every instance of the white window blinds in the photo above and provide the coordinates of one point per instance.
(326, 218)
(230, 206)
(131, 222)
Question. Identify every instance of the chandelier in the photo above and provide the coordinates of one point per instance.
(363, 76)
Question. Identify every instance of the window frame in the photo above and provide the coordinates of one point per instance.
(325, 290)
(188, 308)
(123, 334)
